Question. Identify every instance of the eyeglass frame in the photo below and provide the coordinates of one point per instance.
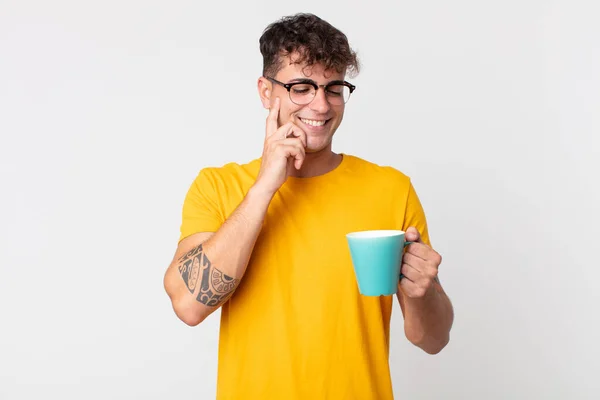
(288, 87)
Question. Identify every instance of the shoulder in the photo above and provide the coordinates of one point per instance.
(377, 171)
(232, 171)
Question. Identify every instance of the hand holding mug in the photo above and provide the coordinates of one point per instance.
(419, 267)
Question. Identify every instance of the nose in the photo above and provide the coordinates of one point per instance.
(320, 103)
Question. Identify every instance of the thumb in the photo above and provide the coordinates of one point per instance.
(412, 235)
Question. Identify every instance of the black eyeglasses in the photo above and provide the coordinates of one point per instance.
(304, 91)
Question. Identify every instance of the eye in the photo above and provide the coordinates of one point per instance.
(335, 90)
(302, 89)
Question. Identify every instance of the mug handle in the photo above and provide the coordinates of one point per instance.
(405, 244)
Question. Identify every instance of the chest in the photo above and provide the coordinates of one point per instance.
(303, 240)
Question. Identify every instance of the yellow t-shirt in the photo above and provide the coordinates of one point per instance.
(297, 327)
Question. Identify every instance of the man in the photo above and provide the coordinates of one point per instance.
(266, 241)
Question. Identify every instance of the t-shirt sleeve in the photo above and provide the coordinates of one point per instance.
(201, 211)
(414, 215)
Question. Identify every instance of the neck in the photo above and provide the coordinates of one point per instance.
(318, 163)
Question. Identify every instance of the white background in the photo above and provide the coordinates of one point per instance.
(109, 109)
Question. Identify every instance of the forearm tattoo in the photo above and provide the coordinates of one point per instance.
(196, 269)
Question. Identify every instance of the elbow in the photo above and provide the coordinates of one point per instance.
(437, 346)
(188, 314)
(190, 319)
(430, 345)
(185, 309)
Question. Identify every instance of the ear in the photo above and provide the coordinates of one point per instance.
(264, 91)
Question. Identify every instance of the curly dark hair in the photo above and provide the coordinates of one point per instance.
(315, 41)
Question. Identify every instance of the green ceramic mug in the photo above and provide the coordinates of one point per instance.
(377, 257)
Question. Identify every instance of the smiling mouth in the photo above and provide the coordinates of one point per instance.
(314, 122)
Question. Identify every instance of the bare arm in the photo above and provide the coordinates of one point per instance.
(428, 320)
(427, 310)
(207, 267)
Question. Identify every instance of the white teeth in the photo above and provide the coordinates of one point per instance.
(313, 122)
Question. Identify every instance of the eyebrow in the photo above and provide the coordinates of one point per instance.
(305, 80)
(302, 80)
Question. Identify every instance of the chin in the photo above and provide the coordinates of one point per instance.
(315, 146)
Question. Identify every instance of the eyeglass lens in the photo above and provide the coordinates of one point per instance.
(302, 93)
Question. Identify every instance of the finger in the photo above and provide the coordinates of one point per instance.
(292, 130)
(424, 252)
(410, 272)
(273, 118)
(412, 289)
(413, 235)
(282, 132)
(300, 150)
(407, 286)
(299, 157)
(292, 141)
(280, 145)
(294, 150)
(300, 134)
(279, 134)
(298, 163)
(298, 131)
(417, 250)
(287, 130)
(414, 261)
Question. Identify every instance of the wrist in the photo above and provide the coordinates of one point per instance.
(425, 301)
(259, 193)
